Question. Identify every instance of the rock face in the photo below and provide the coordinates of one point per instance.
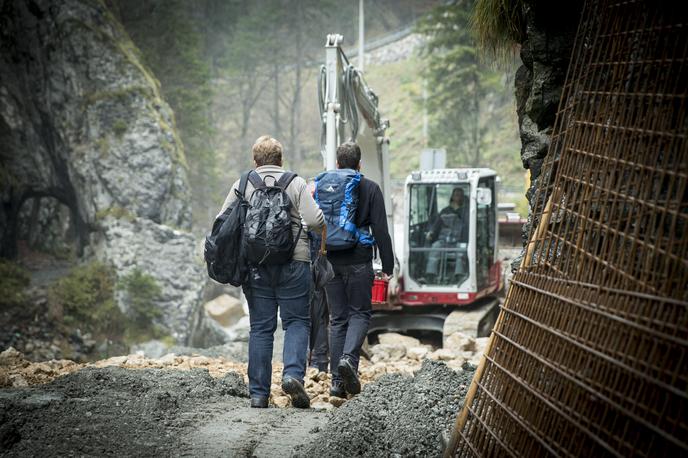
(83, 127)
(545, 53)
(166, 254)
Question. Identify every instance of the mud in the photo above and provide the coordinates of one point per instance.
(396, 416)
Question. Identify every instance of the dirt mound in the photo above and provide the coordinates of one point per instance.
(98, 411)
(396, 416)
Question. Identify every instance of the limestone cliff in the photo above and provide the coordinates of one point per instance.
(83, 128)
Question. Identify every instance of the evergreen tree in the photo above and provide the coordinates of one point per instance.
(459, 84)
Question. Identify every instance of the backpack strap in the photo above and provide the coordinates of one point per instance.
(283, 183)
(243, 181)
(285, 180)
(256, 180)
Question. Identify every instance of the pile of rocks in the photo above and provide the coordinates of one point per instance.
(16, 371)
(399, 353)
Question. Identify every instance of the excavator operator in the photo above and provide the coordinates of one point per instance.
(448, 229)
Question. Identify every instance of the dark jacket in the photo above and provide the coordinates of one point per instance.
(455, 221)
(370, 214)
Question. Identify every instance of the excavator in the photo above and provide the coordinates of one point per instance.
(448, 275)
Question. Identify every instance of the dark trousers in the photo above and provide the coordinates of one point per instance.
(320, 356)
(349, 295)
(286, 287)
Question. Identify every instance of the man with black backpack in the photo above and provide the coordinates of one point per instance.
(354, 210)
(275, 247)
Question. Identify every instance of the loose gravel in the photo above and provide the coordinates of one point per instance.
(397, 415)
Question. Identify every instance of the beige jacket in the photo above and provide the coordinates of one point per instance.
(304, 211)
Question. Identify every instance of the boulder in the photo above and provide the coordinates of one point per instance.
(225, 309)
(388, 351)
(481, 344)
(442, 354)
(456, 364)
(459, 341)
(378, 357)
(392, 338)
(417, 353)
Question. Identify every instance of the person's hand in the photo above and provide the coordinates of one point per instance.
(385, 276)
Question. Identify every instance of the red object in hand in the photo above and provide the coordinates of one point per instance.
(380, 286)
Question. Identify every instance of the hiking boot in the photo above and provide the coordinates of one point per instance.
(294, 388)
(348, 374)
(321, 367)
(259, 402)
(337, 389)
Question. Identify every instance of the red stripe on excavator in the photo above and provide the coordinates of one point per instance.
(412, 298)
(430, 298)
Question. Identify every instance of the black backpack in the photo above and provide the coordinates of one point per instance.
(224, 250)
(268, 237)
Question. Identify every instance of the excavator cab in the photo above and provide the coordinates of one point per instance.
(438, 233)
(450, 254)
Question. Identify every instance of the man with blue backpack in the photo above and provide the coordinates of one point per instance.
(354, 211)
(274, 248)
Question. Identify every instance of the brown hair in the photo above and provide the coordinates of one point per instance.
(267, 151)
(348, 155)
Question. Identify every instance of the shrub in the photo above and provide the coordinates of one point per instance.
(13, 280)
(86, 299)
(141, 292)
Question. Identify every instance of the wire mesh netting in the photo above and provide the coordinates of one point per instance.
(590, 353)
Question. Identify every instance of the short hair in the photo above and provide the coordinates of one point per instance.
(267, 151)
(348, 155)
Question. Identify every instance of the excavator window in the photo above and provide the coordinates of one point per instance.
(438, 233)
(485, 235)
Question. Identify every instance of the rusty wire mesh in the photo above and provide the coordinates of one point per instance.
(589, 356)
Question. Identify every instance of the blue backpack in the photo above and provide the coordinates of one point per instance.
(336, 193)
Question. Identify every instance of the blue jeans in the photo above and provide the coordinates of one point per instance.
(349, 294)
(269, 287)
